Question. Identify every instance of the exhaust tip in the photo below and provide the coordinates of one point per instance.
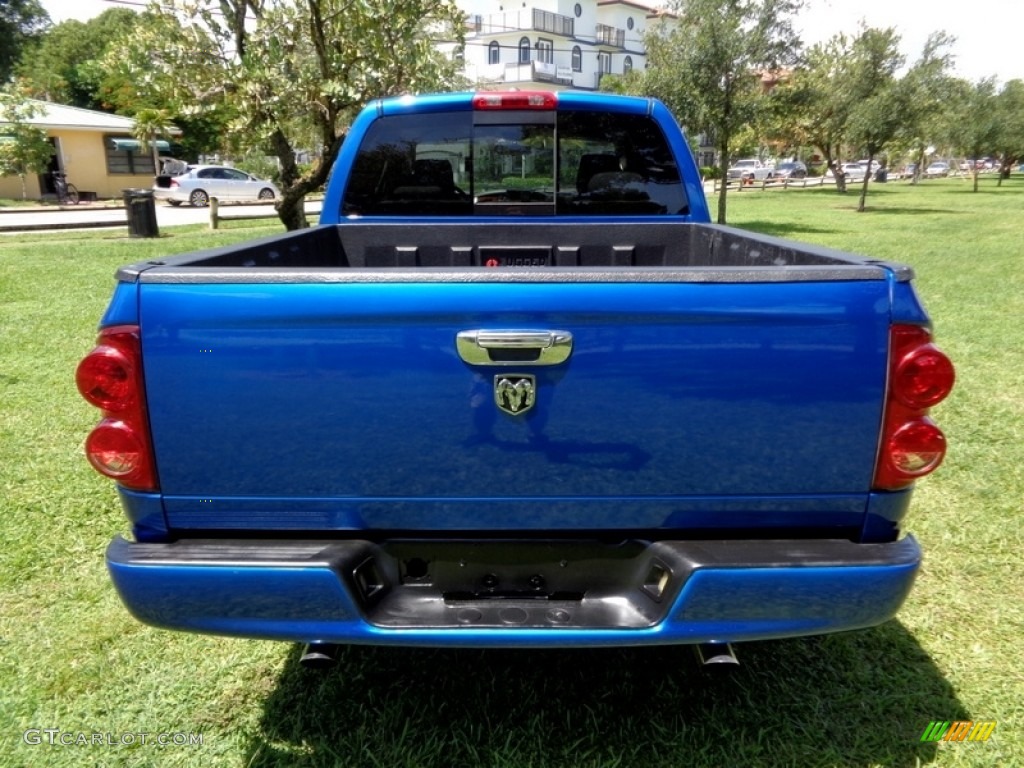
(716, 655)
(319, 656)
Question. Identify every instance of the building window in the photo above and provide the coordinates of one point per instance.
(545, 51)
(128, 156)
(627, 65)
(629, 23)
(604, 62)
(577, 59)
(578, 10)
(493, 52)
(524, 50)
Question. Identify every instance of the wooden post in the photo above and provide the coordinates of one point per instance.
(214, 206)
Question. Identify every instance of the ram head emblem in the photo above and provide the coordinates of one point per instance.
(515, 393)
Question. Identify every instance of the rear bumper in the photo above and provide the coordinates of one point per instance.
(168, 193)
(513, 593)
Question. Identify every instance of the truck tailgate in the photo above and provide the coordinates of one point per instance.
(346, 404)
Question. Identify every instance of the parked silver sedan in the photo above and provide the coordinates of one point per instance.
(791, 170)
(201, 182)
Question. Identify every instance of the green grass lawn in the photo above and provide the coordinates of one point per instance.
(71, 658)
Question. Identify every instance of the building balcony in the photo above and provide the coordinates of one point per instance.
(553, 23)
(612, 36)
(525, 20)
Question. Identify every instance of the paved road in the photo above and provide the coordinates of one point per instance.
(98, 216)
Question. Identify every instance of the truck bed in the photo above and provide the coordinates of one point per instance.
(656, 245)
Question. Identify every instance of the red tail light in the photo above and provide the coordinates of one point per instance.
(106, 378)
(115, 450)
(515, 100)
(110, 377)
(920, 376)
(923, 377)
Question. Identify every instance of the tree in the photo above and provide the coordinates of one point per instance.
(292, 73)
(21, 22)
(631, 82)
(927, 86)
(976, 124)
(879, 103)
(1010, 141)
(66, 65)
(151, 125)
(818, 98)
(708, 67)
(24, 149)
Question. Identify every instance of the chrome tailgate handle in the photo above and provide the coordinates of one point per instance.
(483, 347)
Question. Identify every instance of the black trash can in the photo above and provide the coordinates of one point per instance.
(881, 175)
(141, 209)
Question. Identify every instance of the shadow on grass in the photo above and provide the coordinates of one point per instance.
(856, 699)
(794, 231)
(900, 211)
(782, 229)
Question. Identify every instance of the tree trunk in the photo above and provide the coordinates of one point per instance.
(862, 204)
(294, 186)
(291, 208)
(1005, 164)
(918, 166)
(837, 174)
(723, 170)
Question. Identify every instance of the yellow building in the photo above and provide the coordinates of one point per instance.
(96, 150)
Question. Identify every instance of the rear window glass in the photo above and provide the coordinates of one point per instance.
(587, 163)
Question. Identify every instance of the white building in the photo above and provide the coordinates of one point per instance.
(554, 44)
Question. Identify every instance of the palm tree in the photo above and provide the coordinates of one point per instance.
(150, 125)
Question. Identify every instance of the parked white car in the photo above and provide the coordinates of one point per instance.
(750, 169)
(201, 182)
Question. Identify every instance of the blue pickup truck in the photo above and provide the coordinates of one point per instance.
(515, 389)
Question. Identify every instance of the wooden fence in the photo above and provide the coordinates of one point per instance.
(217, 214)
(751, 184)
